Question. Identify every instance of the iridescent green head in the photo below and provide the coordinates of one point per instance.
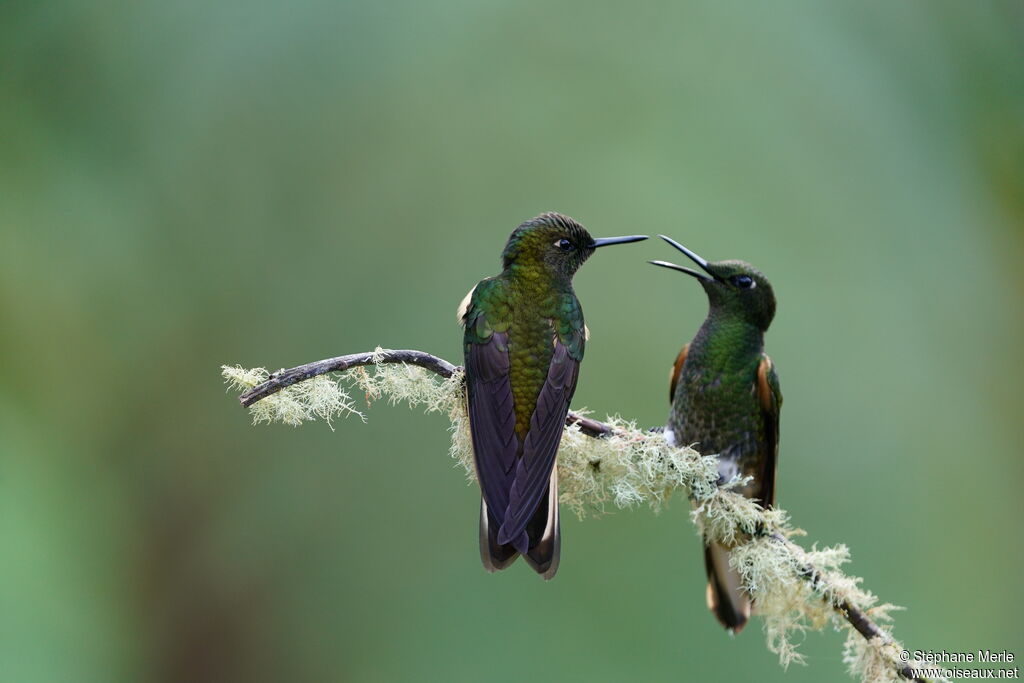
(556, 243)
(733, 287)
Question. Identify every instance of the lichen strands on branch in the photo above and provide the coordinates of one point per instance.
(320, 397)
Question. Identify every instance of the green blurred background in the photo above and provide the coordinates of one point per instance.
(189, 184)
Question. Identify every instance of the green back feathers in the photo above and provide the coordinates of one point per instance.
(530, 314)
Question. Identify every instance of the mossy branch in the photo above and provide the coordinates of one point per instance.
(286, 378)
(794, 589)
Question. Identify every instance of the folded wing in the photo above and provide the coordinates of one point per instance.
(533, 468)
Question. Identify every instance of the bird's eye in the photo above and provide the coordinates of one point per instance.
(564, 245)
(743, 281)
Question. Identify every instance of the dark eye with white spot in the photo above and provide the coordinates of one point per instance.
(743, 281)
(564, 245)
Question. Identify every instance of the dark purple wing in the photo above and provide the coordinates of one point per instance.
(492, 419)
(770, 397)
(533, 468)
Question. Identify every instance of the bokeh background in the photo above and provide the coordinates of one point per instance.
(188, 184)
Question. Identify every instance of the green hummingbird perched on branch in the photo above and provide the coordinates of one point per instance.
(524, 341)
(726, 400)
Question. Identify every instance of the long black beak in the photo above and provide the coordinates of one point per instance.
(681, 269)
(606, 241)
(692, 256)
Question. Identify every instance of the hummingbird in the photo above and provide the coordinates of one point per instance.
(524, 340)
(726, 400)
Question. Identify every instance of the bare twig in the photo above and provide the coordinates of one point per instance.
(856, 617)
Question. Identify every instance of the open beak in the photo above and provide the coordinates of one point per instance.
(606, 241)
(710, 277)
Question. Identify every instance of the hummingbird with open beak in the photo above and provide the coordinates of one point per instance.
(726, 400)
(524, 340)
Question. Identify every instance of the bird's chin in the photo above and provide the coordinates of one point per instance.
(710, 286)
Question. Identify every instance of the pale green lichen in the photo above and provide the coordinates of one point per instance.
(873, 660)
(320, 398)
(785, 599)
(411, 384)
(624, 469)
(878, 660)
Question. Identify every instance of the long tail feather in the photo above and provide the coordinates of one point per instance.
(545, 533)
(726, 598)
(494, 555)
